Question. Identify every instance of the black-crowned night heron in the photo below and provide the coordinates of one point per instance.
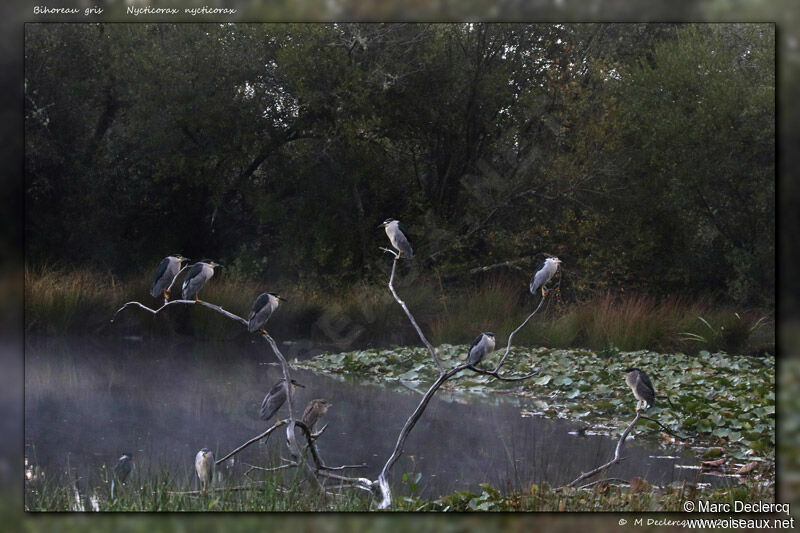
(167, 269)
(122, 470)
(204, 466)
(641, 386)
(545, 273)
(263, 307)
(314, 411)
(482, 346)
(397, 238)
(197, 277)
(274, 399)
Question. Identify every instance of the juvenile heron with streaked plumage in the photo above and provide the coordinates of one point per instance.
(275, 399)
(642, 387)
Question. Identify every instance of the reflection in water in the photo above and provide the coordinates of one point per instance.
(87, 404)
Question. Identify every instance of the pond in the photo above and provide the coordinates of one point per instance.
(87, 402)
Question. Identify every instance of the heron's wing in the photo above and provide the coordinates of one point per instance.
(648, 392)
(162, 267)
(273, 401)
(403, 244)
(475, 342)
(193, 272)
(539, 278)
(307, 414)
(261, 301)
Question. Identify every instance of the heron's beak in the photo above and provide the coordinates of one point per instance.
(296, 384)
(381, 225)
(281, 298)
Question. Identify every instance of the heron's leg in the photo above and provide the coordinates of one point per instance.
(165, 295)
(544, 291)
(263, 331)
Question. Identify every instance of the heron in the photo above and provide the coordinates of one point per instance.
(263, 307)
(482, 346)
(545, 273)
(122, 470)
(314, 411)
(198, 275)
(641, 386)
(162, 278)
(204, 466)
(397, 238)
(274, 399)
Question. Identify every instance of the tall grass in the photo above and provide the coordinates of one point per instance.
(65, 302)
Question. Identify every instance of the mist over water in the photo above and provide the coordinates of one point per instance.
(87, 402)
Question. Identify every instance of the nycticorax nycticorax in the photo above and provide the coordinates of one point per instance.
(397, 238)
(314, 411)
(482, 346)
(274, 399)
(263, 307)
(545, 273)
(204, 466)
(164, 274)
(122, 470)
(641, 386)
(197, 277)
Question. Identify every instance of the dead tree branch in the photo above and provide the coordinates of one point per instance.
(382, 481)
(425, 341)
(617, 455)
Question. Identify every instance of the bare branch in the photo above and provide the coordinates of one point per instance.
(427, 344)
(606, 480)
(617, 455)
(251, 441)
(213, 307)
(511, 336)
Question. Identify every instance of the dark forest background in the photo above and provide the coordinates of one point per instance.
(643, 155)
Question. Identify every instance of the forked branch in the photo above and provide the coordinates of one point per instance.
(617, 455)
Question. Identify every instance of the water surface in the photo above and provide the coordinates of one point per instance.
(88, 402)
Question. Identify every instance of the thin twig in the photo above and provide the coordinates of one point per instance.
(607, 480)
(511, 336)
(495, 375)
(617, 455)
(665, 428)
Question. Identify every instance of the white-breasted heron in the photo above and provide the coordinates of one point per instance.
(545, 273)
(274, 399)
(204, 466)
(641, 386)
(397, 238)
(198, 275)
(482, 346)
(263, 307)
(166, 271)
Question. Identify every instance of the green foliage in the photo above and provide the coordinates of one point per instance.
(641, 154)
(730, 336)
(716, 397)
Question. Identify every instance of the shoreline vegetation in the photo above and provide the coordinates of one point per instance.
(78, 302)
(165, 493)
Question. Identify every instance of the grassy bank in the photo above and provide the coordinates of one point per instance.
(164, 494)
(79, 302)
